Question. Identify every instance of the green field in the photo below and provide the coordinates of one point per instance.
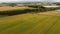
(37, 23)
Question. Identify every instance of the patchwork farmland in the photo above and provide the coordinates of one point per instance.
(30, 23)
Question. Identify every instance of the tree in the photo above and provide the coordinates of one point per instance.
(12, 4)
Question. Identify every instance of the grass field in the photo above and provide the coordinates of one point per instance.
(38, 23)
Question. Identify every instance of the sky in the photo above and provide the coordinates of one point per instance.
(29, 0)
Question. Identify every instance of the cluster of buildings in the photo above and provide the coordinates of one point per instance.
(31, 3)
(48, 3)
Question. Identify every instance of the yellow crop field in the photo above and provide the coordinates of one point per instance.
(37, 23)
(7, 8)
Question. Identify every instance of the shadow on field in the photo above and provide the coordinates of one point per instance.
(15, 12)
